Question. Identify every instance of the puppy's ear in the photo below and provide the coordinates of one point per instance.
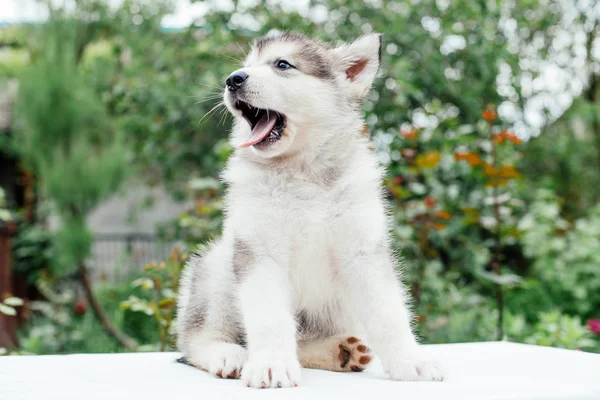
(359, 62)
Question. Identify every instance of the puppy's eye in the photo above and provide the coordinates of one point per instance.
(282, 64)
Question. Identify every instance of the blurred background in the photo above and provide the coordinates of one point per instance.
(486, 114)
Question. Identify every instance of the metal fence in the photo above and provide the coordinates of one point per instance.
(116, 257)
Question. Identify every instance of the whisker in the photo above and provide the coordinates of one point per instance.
(211, 85)
(233, 58)
(212, 93)
(216, 94)
(207, 99)
(245, 54)
(210, 112)
(223, 116)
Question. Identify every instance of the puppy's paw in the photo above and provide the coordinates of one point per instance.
(271, 371)
(228, 362)
(353, 354)
(416, 367)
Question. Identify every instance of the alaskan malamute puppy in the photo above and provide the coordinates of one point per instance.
(303, 274)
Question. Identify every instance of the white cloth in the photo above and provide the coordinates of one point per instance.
(495, 370)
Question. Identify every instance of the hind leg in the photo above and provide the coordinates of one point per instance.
(341, 353)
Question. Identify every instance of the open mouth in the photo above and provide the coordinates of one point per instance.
(267, 125)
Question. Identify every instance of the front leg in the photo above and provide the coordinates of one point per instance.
(376, 295)
(265, 297)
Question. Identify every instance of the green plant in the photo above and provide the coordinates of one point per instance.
(564, 255)
(203, 221)
(161, 283)
(62, 323)
(32, 251)
(476, 213)
(559, 330)
(79, 157)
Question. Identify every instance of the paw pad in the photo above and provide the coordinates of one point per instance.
(353, 354)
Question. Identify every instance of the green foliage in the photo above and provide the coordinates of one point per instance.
(63, 324)
(565, 255)
(478, 213)
(564, 155)
(203, 223)
(12, 51)
(32, 251)
(559, 330)
(160, 282)
(79, 156)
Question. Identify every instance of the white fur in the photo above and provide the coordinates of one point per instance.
(311, 210)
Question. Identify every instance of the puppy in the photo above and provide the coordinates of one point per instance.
(304, 273)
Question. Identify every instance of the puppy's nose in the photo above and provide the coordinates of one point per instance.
(235, 80)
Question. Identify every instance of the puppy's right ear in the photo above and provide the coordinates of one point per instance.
(359, 61)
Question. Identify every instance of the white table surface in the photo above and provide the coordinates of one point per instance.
(494, 370)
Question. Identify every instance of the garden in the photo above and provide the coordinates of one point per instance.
(486, 115)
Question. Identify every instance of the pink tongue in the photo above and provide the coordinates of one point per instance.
(261, 130)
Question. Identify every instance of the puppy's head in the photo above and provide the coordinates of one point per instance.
(292, 91)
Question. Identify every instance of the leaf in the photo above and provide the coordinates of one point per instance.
(144, 283)
(428, 160)
(7, 310)
(5, 215)
(164, 303)
(503, 279)
(13, 301)
(204, 184)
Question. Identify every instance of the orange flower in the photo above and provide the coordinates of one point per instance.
(512, 137)
(508, 172)
(490, 171)
(502, 172)
(505, 135)
(429, 202)
(409, 134)
(439, 227)
(428, 160)
(444, 215)
(489, 115)
(472, 158)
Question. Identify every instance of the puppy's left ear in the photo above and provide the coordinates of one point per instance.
(359, 61)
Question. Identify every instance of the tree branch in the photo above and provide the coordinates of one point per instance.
(120, 337)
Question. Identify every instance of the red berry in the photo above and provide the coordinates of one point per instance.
(80, 307)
